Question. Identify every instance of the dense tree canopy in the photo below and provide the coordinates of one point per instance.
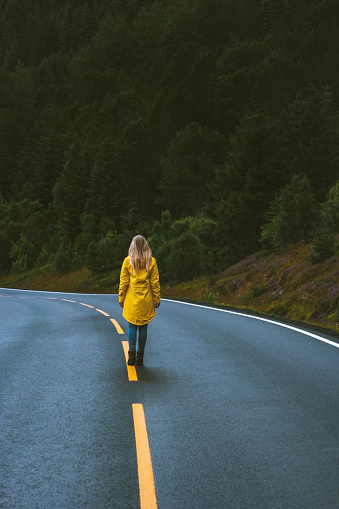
(216, 111)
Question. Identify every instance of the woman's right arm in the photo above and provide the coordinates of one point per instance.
(124, 282)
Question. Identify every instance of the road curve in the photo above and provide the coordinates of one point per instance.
(240, 412)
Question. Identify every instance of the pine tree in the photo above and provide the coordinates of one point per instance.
(188, 168)
(292, 215)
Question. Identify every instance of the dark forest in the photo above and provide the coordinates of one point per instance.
(210, 127)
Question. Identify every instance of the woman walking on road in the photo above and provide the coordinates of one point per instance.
(139, 295)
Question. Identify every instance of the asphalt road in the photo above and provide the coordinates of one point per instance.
(240, 412)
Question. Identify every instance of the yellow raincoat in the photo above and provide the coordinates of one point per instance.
(138, 292)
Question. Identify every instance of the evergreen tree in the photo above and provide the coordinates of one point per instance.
(185, 260)
(311, 139)
(70, 191)
(292, 215)
(41, 158)
(188, 168)
(326, 233)
(245, 185)
(117, 110)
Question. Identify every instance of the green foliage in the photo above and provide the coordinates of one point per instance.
(330, 210)
(192, 156)
(19, 266)
(62, 262)
(325, 236)
(111, 112)
(42, 157)
(161, 231)
(324, 245)
(43, 258)
(311, 138)
(161, 240)
(185, 260)
(211, 297)
(25, 225)
(82, 242)
(164, 242)
(292, 215)
(22, 254)
(106, 254)
(236, 229)
(5, 246)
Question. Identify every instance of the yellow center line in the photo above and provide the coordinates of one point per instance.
(117, 326)
(145, 471)
(148, 498)
(131, 371)
(102, 312)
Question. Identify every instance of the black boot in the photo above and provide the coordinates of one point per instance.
(140, 358)
(131, 357)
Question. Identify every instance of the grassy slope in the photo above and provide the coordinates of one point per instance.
(283, 285)
(286, 285)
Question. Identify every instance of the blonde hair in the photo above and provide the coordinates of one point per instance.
(140, 254)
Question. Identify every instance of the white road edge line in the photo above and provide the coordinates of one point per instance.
(59, 293)
(258, 318)
(315, 336)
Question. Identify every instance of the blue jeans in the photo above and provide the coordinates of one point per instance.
(132, 336)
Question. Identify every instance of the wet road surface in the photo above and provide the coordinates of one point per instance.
(239, 412)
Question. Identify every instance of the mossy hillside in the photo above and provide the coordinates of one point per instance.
(284, 285)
